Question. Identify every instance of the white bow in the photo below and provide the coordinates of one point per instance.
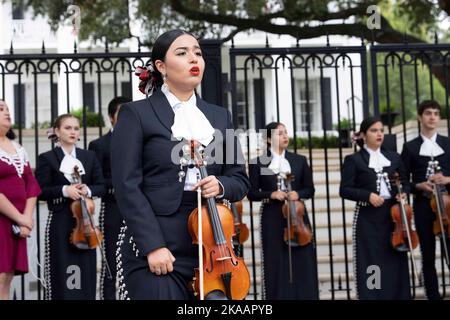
(191, 124)
(279, 164)
(429, 147)
(67, 166)
(377, 160)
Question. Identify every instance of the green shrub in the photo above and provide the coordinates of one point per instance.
(317, 142)
(41, 125)
(345, 124)
(93, 119)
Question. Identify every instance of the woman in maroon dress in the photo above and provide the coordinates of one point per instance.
(18, 192)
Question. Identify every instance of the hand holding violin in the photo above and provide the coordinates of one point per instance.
(439, 178)
(210, 187)
(425, 186)
(74, 191)
(293, 196)
(399, 197)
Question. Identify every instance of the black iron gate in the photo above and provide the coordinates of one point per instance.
(320, 93)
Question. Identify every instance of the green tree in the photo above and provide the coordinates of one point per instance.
(411, 20)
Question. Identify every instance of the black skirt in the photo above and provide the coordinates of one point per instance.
(276, 284)
(381, 273)
(70, 273)
(137, 282)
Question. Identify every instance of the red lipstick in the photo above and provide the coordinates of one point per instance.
(195, 71)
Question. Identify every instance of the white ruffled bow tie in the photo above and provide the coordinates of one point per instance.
(67, 166)
(191, 124)
(430, 148)
(279, 164)
(377, 160)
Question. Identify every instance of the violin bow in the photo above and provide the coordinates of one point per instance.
(440, 210)
(77, 176)
(405, 223)
(200, 227)
(287, 180)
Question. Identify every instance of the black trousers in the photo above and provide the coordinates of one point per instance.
(424, 218)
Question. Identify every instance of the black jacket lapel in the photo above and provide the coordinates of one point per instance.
(365, 156)
(162, 109)
(59, 156)
(440, 141)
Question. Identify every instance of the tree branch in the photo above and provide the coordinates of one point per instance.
(386, 34)
(231, 35)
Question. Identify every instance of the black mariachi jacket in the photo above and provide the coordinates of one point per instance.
(262, 185)
(102, 149)
(358, 181)
(144, 177)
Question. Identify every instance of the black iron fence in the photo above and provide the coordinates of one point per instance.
(320, 93)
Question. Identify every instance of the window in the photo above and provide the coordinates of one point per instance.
(240, 102)
(17, 10)
(126, 90)
(318, 110)
(301, 105)
(89, 96)
(19, 105)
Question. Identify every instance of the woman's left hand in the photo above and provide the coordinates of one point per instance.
(210, 187)
(25, 232)
(83, 189)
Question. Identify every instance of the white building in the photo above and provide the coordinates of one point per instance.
(28, 34)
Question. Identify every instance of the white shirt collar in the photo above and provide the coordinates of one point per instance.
(279, 164)
(73, 153)
(276, 154)
(377, 160)
(173, 101)
(429, 146)
(433, 137)
(189, 122)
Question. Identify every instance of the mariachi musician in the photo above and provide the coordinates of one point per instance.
(110, 218)
(70, 272)
(156, 257)
(288, 272)
(422, 156)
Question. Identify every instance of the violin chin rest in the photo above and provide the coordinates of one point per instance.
(216, 295)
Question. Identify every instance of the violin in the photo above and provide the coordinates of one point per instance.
(220, 270)
(240, 228)
(404, 237)
(85, 235)
(440, 204)
(297, 232)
